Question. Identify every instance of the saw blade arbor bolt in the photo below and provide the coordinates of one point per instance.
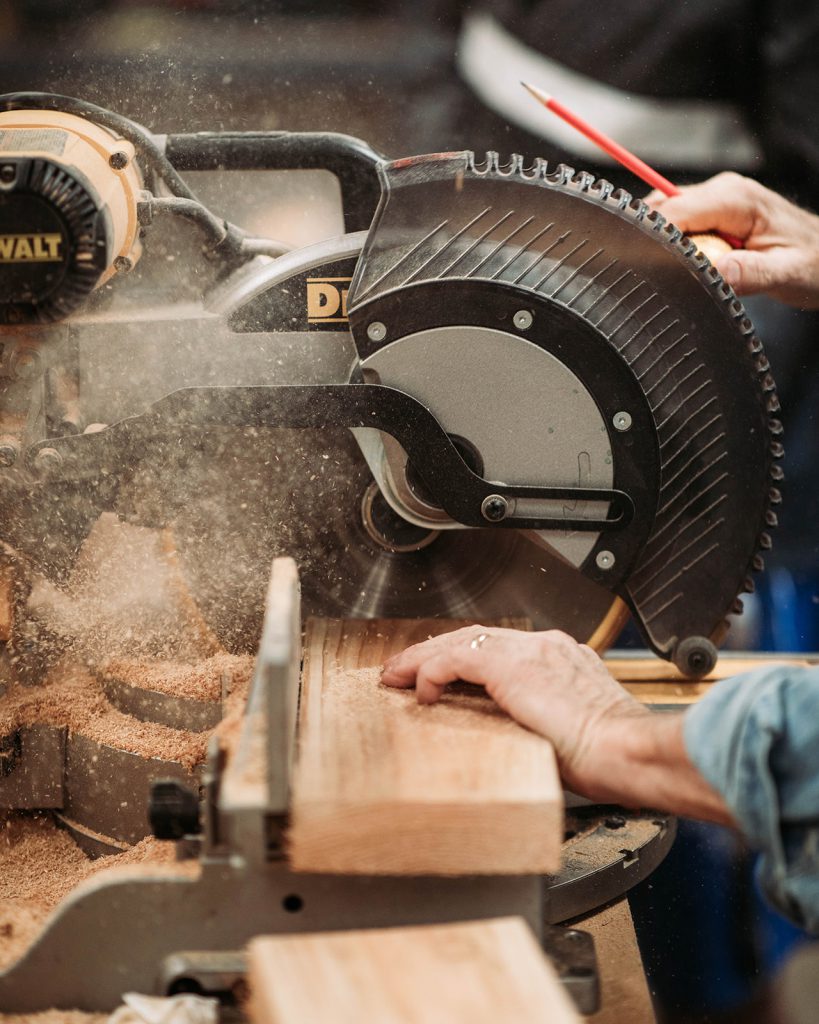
(494, 508)
(376, 331)
(622, 421)
(523, 319)
(605, 560)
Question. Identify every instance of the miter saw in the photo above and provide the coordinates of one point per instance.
(507, 390)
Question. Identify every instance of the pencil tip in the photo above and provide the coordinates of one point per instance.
(537, 93)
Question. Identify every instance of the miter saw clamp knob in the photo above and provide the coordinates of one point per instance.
(173, 810)
(695, 656)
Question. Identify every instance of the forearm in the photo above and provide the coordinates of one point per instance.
(641, 761)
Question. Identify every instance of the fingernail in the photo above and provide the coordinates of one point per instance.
(731, 271)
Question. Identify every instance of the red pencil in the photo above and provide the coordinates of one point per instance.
(614, 149)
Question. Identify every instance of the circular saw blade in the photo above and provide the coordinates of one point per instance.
(298, 493)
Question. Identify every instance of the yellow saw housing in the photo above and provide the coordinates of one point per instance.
(68, 212)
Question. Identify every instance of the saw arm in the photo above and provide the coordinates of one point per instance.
(531, 360)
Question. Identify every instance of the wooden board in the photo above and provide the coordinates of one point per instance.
(384, 786)
(483, 972)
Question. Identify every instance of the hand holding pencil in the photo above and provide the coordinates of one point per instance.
(660, 184)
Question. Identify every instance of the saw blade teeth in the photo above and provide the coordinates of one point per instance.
(533, 171)
(560, 175)
(621, 198)
(583, 180)
(771, 518)
(775, 496)
(601, 189)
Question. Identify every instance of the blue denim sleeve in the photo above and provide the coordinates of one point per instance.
(755, 738)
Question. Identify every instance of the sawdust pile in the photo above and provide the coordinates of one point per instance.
(205, 680)
(74, 698)
(54, 1017)
(40, 864)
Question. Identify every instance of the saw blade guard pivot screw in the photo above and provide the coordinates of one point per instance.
(494, 508)
(622, 421)
(605, 560)
(376, 331)
(695, 656)
(523, 319)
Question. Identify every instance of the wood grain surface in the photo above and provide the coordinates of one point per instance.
(483, 972)
(385, 786)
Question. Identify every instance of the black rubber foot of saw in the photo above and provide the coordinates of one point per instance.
(695, 656)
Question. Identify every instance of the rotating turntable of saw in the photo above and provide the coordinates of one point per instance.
(537, 401)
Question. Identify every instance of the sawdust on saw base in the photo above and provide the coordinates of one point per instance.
(54, 1017)
(204, 680)
(40, 864)
(74, 698)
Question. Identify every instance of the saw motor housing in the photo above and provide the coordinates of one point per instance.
(68, 212)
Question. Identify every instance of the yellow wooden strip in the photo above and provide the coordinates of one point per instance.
(655, 670)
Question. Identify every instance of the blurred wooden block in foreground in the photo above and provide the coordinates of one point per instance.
(482, 972)
(384, 786)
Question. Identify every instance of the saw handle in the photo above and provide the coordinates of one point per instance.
(352, 161)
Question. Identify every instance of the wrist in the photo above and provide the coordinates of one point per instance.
(640, 760)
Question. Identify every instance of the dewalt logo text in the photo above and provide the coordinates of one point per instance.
(327, 300)
(34, 248)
